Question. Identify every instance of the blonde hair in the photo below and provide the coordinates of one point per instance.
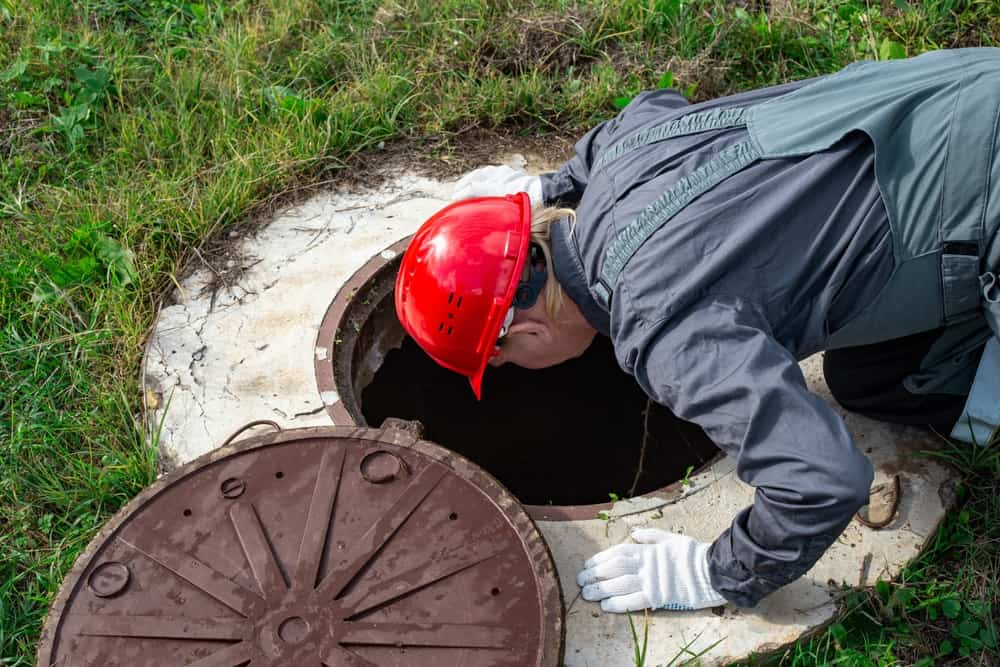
(541, 221)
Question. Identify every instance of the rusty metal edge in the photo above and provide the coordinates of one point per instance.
(670, 493)
(326, 337)
(550, 595)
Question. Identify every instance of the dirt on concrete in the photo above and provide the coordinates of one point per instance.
(437, 156)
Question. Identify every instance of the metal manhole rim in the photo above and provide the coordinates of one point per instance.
(553, 634)
(326, 382)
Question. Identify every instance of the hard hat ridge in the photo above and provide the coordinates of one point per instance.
(458, 279)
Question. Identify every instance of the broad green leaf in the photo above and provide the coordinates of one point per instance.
(118, 260)
(14, 71)
(951, 607)
(890, 50)
(622, 102)
(666, 80)
(977, 608)
(95, 81)
(23, 98)
(946, 647)
(968, 627)
(670, 8)
(882, 588)
(294, 104)
(903, 596)
(71, 116)
(988, 637)
(64, 272)
(197, 11)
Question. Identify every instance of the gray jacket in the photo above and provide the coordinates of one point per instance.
(715, 309)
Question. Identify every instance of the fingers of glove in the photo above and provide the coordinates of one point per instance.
(626, 585)
(609, 569)
(477, 182)
(491, 174)
(611, 553)
(621, 604)
(463, 192)
(487, 173)
(656, 536)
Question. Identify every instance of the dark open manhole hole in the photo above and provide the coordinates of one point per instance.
(568, 435)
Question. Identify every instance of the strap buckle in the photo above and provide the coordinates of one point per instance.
(991, 287)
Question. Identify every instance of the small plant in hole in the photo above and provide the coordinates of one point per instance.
(604, 515)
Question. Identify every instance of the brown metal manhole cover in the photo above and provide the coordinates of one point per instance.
(324, 546)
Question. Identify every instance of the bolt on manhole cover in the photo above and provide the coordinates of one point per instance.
(321, 546)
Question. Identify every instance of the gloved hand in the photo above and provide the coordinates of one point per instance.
(496, 181)
(663, 571)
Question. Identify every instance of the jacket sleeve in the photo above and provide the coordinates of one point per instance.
(566, 186)
(719, 366)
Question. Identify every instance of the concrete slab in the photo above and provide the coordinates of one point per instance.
(224, 354)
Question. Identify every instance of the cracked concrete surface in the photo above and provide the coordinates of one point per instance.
(227, 353)
(224, 355)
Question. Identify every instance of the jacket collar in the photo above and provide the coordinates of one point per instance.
(568, 270)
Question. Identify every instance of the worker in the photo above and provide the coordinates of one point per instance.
(717, 244)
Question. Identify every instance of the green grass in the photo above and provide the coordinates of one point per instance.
(133, 131)
(945, 606)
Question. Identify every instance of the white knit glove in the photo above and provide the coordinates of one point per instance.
(663, 571)
(496, 181)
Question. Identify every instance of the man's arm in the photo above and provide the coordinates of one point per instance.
(718, 366)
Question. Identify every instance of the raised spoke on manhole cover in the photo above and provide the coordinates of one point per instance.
(307, 564)
(451, 562)
(258, 551)
(451, 635)
(200, 575)
(369, 544)
(314, 563)
(160, 627)
(233, 656)
(341, 656)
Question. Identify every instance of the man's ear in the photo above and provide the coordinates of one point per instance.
(498, 359)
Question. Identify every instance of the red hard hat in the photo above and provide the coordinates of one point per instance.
(458, 278)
